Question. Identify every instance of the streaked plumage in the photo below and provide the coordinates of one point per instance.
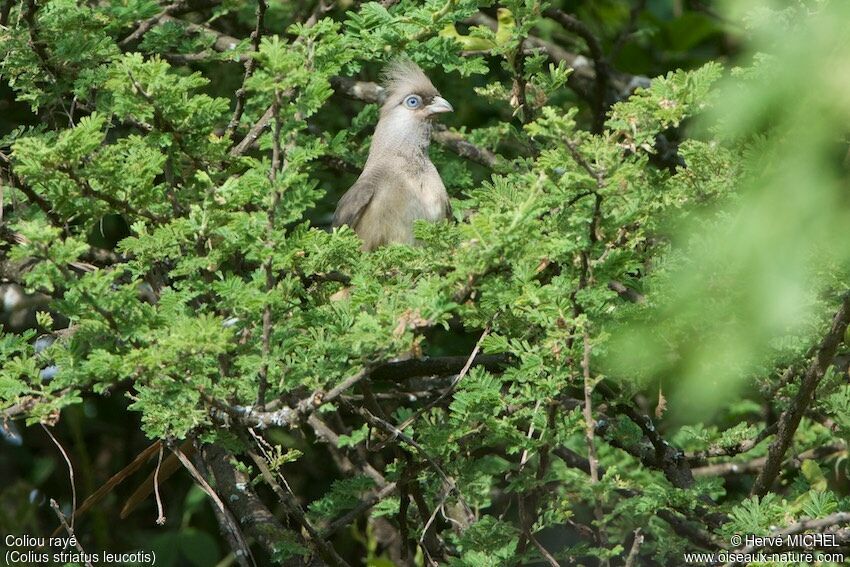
(399, 184)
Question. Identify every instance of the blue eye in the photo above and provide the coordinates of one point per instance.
(413, 101)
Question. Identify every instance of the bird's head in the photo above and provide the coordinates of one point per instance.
(410, 96)
(410, 105)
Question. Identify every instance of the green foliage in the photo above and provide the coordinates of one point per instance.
(672, 260)
(756, 516)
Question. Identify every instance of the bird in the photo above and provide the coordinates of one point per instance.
(506, 24)
(398, 184)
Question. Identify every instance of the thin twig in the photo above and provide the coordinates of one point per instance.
(70, 473)
(160, 517)
(324, 432)
(589, 429)
(455, 382)
(450, 484)
(589, 423)
(543, 551)
(627, 30)
(250, 64)
(29, 16)
(69, 530)
(271, 279)
(121, 206)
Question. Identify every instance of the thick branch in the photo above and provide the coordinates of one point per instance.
(253, 516)
(663, 456)
(436, 366)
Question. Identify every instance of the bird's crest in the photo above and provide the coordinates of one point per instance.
(403, 77)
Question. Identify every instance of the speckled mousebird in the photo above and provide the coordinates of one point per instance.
(399, 184)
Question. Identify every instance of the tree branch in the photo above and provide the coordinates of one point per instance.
(250, 64)
(271, 279)
(576, 26)
(117, 204)
(312, 537)
(135, 37)
(583, 78)
(701, 457)
(790, 418)
(35, 199)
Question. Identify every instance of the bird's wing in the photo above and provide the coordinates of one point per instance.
(353, 204)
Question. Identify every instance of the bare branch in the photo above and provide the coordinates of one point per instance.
(465, 149)
(69, 530)
(70, 473)
(253, 134)
(135, 37)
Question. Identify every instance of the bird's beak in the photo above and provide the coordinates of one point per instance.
(439, 105)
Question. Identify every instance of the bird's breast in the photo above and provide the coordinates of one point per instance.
(429, 196)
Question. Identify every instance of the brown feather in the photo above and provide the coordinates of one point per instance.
(351, 206)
